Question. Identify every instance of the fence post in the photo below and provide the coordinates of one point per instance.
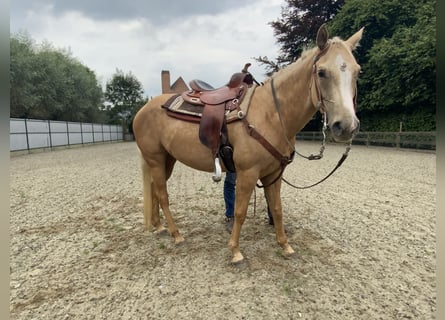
(26, 133)
(68, 133)
(49, 133)
(81, 133)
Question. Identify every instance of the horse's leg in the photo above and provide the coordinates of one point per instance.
(152, 218)
(151, 203)
(274, 200)
(160, 175)
(155, 218)
(169, 165)
(244, 187)
(147, 194)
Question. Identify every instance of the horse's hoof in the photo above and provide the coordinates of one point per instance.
(216, 178)
(288, 252)
(237, 259)
(160, 231)
(240, 265)
(179, 240)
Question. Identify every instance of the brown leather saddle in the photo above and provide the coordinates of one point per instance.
(208, 106)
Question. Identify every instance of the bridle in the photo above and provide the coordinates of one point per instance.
(320, 106)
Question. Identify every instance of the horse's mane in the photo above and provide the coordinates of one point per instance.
(290, 68)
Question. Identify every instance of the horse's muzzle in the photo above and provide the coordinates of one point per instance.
(344, 131)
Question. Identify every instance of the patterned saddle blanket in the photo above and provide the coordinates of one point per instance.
(178, 108)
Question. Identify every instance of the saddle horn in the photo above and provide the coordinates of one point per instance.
(249, 78)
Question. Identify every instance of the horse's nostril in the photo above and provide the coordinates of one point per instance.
(336, 128)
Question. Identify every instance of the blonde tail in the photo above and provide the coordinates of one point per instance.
(148, 201)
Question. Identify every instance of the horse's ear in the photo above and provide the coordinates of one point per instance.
(322, 36)
(353, 41)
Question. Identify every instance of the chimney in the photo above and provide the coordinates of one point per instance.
(165, 81)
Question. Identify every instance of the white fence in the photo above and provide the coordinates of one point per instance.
(27, 134)
(425, 140)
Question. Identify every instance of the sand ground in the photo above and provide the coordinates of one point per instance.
(365, 241)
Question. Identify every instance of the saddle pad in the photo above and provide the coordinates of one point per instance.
(176, 104)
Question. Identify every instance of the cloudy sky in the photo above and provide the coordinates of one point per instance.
(203, 39)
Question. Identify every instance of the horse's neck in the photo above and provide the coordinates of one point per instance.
(292, 87)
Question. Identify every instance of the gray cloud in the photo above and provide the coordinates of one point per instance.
(199, 39)
(157, 11)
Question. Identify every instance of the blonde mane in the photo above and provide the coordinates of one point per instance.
(290, 68)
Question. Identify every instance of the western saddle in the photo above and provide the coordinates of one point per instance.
(215, 103)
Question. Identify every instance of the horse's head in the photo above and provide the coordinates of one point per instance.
(334, 84)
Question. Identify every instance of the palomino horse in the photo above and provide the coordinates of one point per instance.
(323, 78)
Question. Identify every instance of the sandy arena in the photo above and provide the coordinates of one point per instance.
(364, 239)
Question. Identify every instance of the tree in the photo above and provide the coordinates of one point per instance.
(48, 83)
(297, 28)
(22, 94)
(397, 54)
(124, 97)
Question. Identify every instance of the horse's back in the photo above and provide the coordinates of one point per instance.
(156, 133)
(148, 113)
(146, 120)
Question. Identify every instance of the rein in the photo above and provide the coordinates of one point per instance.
(322, 108)
(285, 160)
(339, 163)
(323, 143)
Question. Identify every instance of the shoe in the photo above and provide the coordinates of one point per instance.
(229, 224)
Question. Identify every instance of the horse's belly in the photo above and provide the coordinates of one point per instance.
(155, 131)
(186, 148)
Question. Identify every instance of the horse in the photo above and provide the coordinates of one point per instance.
(323, 79)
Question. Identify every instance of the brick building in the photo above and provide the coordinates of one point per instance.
(177, 87)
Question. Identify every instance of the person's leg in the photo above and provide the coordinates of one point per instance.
(229, 198)
(229, 193)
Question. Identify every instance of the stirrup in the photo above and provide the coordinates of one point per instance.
(216, 176)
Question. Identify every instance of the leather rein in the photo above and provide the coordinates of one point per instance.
(284, 160)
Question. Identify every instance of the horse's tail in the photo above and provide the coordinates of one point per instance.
(148, 201)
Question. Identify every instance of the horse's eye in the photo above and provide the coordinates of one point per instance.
(321, 73)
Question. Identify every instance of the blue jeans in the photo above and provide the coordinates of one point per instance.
(229, 193)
